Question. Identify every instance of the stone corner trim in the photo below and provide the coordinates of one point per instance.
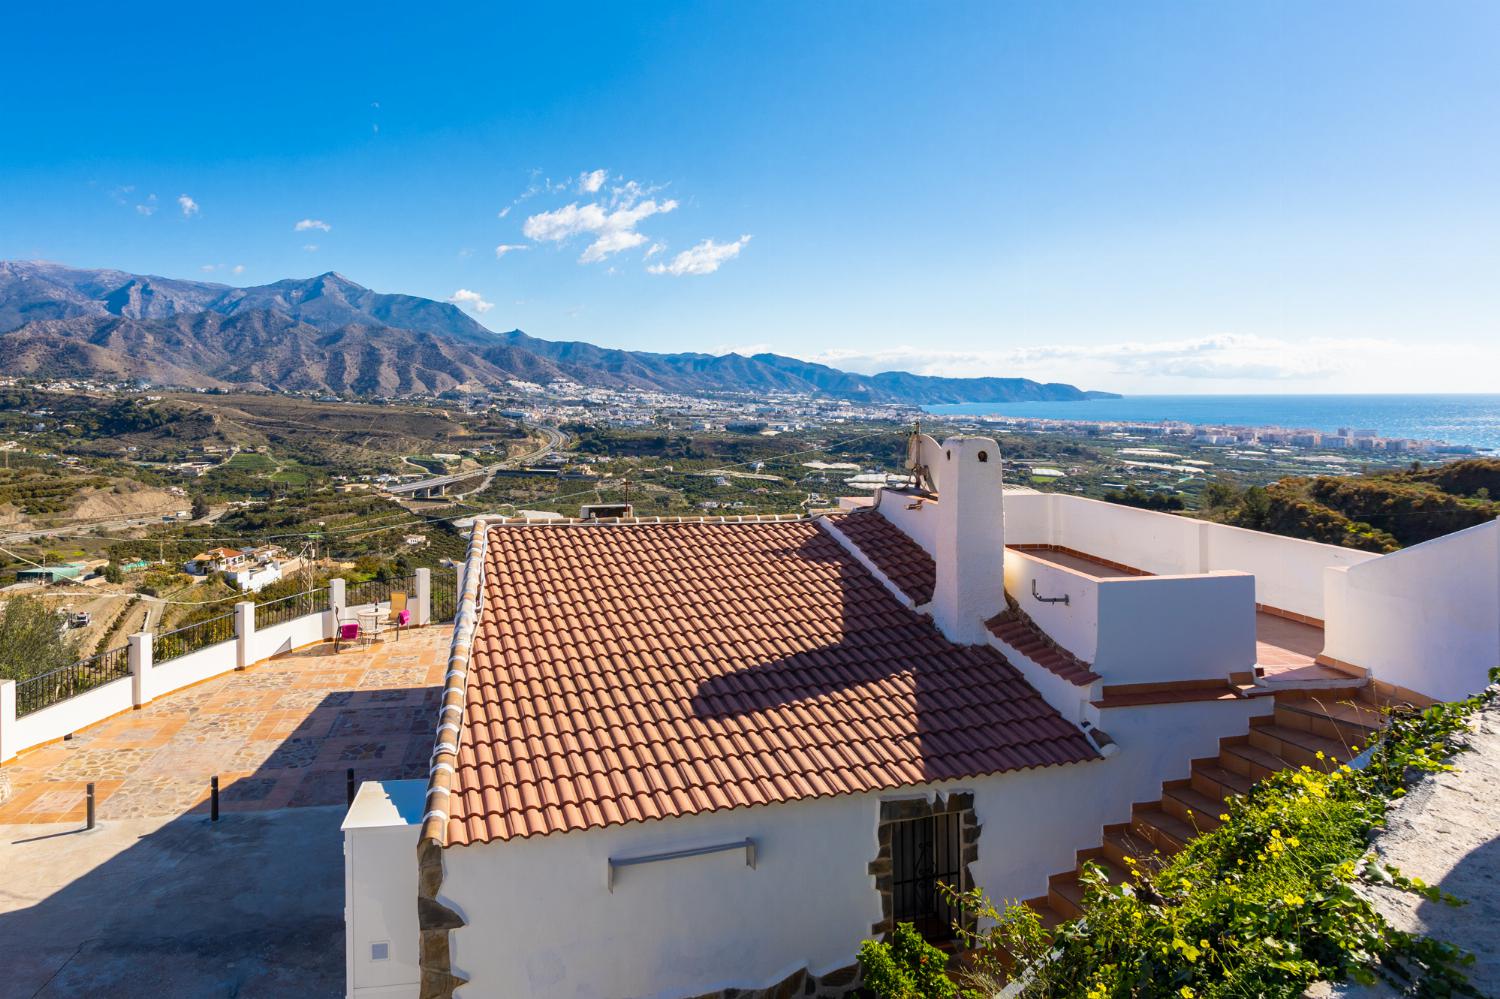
(897, 810)
(435, 920)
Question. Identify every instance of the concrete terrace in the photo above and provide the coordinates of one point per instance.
(159, 901)
(279, 734)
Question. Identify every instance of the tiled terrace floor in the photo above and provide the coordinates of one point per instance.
(1286, 650)
(280, 734)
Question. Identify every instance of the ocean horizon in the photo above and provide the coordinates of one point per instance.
(1472, 419)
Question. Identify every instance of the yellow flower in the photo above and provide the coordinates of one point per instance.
(1319, 755)
(1186, 992)
(1294, 901)
(1223, 816)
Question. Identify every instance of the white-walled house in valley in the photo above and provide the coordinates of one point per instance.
(688, 757)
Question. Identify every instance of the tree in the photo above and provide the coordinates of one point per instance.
(31, 639)
(200, 508)
(113, 574)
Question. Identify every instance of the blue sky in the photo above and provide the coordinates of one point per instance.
(1147, 197)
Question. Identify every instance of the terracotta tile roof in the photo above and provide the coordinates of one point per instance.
(1022, 634)
(904, 562)
(639, 671)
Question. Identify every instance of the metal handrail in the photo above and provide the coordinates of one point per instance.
(57, 685)
(747, 844)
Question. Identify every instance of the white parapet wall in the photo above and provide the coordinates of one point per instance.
(60, 719)
(1288, 571)
(1426, 618)
(1141, 629)
(151, 679)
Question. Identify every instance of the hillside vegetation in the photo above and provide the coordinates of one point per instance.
(1378, 512)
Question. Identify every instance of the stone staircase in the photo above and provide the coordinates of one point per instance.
(1303, 724)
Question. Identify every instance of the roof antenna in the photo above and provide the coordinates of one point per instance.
(918, 472)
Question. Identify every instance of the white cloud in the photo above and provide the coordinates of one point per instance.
(306, 224)
(188, 205)
(590, 181)
(147, 207)
(705, 258)
(654, 249)
(506, 210)
(210, 267)
(505, 248)
(609, 243)
(465, 298)
(1217, 364)
(237, 269)
(612, 226)
(310, 247)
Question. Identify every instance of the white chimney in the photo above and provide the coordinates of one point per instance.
(970, 549)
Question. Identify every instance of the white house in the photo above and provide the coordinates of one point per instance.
(678, 758)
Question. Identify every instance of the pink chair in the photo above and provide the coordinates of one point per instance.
(348, 632)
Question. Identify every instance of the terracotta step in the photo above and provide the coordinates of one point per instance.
(1215, 781)
(1167, 832)
(1344, 722)
(1049, 916)
(1196, 809)
(1299, 748)
(1120, 842)
(1239, 756)
(1066, 891)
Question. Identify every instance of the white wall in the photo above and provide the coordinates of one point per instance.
(1288, 571)
(1426, 618)
(1074, 625)
(1142, 629)
(59, 719)
(195, 667)
(914, 515)
(289, 635)
(540, 921)
(1161, 628)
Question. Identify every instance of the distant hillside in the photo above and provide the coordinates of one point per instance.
(1380, 512)
(328, 334)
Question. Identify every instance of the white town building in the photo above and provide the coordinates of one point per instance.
(679, 758)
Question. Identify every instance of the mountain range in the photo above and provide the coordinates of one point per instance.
(327, 334)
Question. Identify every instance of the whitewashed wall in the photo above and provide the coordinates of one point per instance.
(1162, 628)
(1426, 618)
(195, 667)
(1288, 572)
(540, 921)
(1142, 629)
(917, 517)
(289, 635)
(1074, 625)
(59, 719)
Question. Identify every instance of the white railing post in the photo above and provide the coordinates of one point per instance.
(8, 737)
(140, 655)
(423, 616)
(336, 605)
(244, 633)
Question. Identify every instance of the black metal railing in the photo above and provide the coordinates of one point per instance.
(192, 637)
(376, 591)
(46, 689)
(444, 595)
(284, 609)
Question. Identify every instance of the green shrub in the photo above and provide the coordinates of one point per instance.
(906, 968)
(1264, 905)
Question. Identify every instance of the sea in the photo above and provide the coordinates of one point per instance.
(1455, 419)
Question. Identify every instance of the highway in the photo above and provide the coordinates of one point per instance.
(555, 440)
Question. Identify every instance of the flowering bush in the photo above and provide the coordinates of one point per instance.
(1264, 905)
